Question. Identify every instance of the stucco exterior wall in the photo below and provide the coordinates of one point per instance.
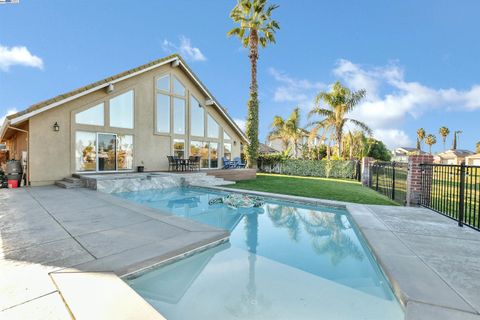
(52, 154)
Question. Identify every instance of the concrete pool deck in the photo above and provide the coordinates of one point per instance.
(49, 235)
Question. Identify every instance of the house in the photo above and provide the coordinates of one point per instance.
(452, 156)
(473, 160)
(134, 118)
(279, 145)
(401, 154)
(265, 149)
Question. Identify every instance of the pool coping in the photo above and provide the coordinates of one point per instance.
(403, 284)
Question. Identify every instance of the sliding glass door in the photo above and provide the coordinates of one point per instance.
(208, 152)
(107, 152)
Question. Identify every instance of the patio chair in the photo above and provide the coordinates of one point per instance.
(194, 162)
(238, 162)
(228, 164)
(172, 163)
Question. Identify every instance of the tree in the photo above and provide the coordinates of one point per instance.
(430, 140)
(455, 136)
(255, 27)
(377, 150)
(418, 145)
(444, 132)
(287, 130)
(477, 146)
(340, 101)
(421, 135)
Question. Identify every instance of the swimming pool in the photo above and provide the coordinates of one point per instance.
(284, 260)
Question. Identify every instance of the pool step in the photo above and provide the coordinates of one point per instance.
(70, 183)
(202, 179)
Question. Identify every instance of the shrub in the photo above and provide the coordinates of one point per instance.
(344, 169)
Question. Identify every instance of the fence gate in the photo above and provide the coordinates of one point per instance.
(390, 179)
(452, 190)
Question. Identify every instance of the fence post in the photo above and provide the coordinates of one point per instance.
(376, 174)
(366, 171)
(461, 204)
(414, 178)
(393, 180)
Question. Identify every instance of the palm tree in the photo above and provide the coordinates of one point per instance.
(444, 132)
(287, 130)
(256, 27)
(421, 135)
(455, 137)
(340, 101)
(477, 146)
(430, 140)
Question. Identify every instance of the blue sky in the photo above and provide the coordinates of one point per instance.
(418, 60)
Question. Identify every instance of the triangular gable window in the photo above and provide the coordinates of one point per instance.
(92, 116)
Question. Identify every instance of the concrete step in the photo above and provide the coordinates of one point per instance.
(73, 180)
(67, 185)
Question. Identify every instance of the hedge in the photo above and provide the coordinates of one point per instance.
(344, 169)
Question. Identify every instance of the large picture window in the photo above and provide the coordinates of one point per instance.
(178, 116)
(197, 118)
(85, 151)
(179, 148)
(163, 113)
(227, 151)
(208, 152)
(92, 116)
(124, 152)
(171, 108)
(213, 128)
(121, 111)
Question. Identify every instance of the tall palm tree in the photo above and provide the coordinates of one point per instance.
(421, 136)
(430, 140)
(255, 27)
(340, 101)
(444, 132)
(455, 137)
(288, 130)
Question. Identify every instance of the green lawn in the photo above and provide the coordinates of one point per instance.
(322, 188)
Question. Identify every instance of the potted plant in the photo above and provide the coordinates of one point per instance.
(140, 168)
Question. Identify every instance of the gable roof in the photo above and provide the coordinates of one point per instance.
(97, 85)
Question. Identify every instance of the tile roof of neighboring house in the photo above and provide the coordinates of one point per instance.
(455, 153)
(405, 150)
(145, 67)
(263, 148)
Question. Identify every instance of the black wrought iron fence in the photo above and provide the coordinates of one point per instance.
(452, 190)
(390, 179)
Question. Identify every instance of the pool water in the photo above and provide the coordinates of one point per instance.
(284, 260)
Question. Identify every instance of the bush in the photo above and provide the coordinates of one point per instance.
(343, 169)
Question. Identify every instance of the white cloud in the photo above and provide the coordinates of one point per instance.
(400, 97)
(240, 123)
(393, 137)
(299, 91)
(185, 48)
(9, 112)
(390, 97)
(11, 56)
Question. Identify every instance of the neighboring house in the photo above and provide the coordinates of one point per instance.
(473, 160)
(277, 143)
(452, 156)
(135, 118)
(401, 154)
(264, 149)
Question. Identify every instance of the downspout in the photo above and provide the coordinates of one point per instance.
(28, 150)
